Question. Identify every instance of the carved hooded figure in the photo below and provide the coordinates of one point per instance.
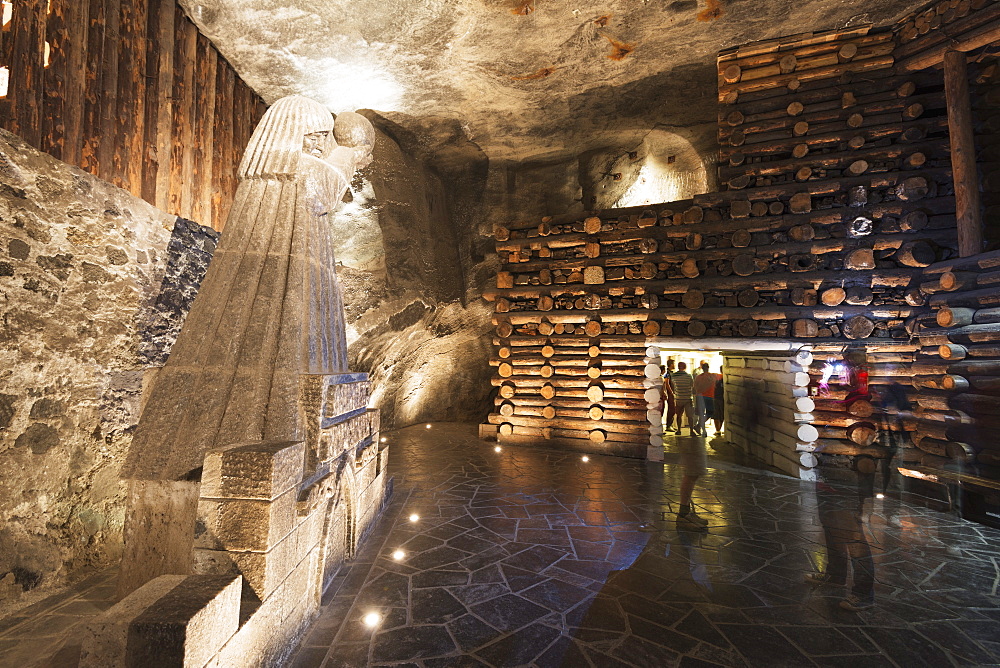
(269, 310)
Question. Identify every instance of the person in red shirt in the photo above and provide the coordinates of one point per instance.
(704, 386)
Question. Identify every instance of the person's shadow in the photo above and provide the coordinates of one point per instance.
(841, 511)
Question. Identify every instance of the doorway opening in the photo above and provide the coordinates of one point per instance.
(693, 360)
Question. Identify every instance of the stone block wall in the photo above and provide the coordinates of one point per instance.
(81, 267)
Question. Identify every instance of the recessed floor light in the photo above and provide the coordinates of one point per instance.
(398, 555)
(372, 619)
(585, 458)
(384, 439)
(428, 425)
(497, 449)
(880, 495)
(414, 517)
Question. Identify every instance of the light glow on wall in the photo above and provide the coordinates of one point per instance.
(357, 85)
(664, 167)
(658, 183)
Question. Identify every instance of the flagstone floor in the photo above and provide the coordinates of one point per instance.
(533, 557)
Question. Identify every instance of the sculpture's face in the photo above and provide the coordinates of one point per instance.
(314, 143)
(362, 157)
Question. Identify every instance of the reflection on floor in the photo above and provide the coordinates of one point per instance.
(536, 557)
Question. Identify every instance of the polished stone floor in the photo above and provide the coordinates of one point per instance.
(531, 557)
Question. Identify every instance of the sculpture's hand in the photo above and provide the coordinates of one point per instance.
(342, 158)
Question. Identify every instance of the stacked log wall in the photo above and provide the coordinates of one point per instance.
(131, 92)
(583, 391)
(954, 400)
(836, 163)
(958, 394)
(850, 426)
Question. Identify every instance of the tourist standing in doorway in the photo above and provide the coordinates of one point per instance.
(720, 402)
(704, 387)
(683, 396)
(699, 403)
(668, 391)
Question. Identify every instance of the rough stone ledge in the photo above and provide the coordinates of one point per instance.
(339, 438)
(345, 378)
(173, 620)
(254, 471)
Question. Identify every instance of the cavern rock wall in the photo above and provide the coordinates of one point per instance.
(410, 253)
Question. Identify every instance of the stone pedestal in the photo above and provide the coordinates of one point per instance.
(279, 519)
(174, 620)
(159, 530)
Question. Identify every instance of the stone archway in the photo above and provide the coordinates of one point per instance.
(661, 166)
(667, 168)
(339, 539)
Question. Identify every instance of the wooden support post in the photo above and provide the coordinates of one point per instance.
(223, 169)
(150, 125)
(75, 82)
(108, 77)
(25, 99)
(963, 154)
(54, 108)
(129, 160)
(93, 95)
(163, 146)
(182, 131)
(201, 147)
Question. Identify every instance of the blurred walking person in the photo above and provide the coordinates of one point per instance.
(668, 391)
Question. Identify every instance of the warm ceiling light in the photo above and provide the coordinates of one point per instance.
(414, 517)
(372, 619)
(398, 555)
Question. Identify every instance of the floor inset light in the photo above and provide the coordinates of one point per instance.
(414, 517)
(880, 495)
(384, 439)
(497, 449)
(398, 555)
(371, 619)
(585, 458)
(428, 425)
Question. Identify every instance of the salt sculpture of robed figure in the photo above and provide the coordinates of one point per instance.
(268, 316)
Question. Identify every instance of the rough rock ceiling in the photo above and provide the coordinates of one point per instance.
(524, 79)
